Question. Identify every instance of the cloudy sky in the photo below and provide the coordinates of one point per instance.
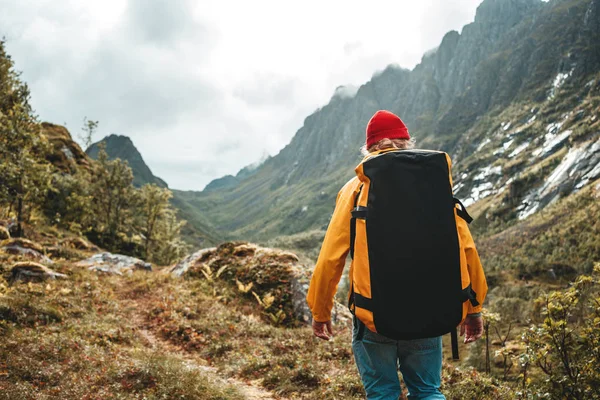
(206, 87)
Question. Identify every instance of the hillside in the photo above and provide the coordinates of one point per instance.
(198, 232)
(511, 98)
(224, 323)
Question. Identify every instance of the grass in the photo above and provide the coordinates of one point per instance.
(86, 337)
(289, 362)
(72, 339)
(81, 338)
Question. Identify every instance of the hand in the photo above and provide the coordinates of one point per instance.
(322, 330)
(473, 326)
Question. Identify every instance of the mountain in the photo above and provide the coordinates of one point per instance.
(230, 181)
(198, 231)
(119, 146)
(513, 98)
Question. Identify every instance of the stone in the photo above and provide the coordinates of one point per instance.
(271, 272)
(184, 265)
(24, 243)
(32, 271)
(65, 153)
(114, 264)
(25, 248)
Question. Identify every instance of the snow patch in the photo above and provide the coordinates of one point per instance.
(483, 144)
(559, 80)
(486, 172)
(506, 185)
(458, 186)
(554, 127)
(519, 149)
(582, 161)
(551, 141)
(485, 188)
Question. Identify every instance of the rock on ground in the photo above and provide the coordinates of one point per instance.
(31, 271)
(25, 248)
(184, 265)
(115, 264)
(257, 273)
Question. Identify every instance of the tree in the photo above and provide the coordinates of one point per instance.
(24, 171)
(113, 197)
(159, 225)
(68, 203)
(170, 246)
(154, 202)
(566, 346)
(88, 130)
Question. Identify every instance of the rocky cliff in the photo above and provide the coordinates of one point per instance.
(65, 153)
(524, 71)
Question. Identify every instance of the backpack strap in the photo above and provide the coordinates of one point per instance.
(454, 340)
(462, 211)
(356, 213)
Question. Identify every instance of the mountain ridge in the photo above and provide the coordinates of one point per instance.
(505, 62)
(121, 146)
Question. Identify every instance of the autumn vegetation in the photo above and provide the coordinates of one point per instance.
(152, 335)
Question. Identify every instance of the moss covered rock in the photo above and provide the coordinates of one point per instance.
(271, 279)
(32, 271)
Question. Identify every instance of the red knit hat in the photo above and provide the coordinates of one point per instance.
(385, 125)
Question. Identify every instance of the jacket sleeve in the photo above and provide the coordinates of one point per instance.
(332, 258)
(476, 274)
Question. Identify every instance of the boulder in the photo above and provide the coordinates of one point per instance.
(4, 233)
(32, 271)
(24, 243)
(184, 265)
(114, 264)
(25, 248)
(257, 273)
(65, 153)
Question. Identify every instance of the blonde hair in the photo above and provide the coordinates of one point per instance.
(400, 144)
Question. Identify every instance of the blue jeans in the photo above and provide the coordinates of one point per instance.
(378, 359)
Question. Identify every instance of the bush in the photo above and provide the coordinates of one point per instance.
(565, 347)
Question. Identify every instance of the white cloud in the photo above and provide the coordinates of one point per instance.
(204, 88)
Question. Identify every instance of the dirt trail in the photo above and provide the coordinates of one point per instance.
(251, 391)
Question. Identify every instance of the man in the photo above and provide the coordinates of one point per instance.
(378, 357)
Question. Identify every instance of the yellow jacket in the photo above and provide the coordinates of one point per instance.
(336, 246)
